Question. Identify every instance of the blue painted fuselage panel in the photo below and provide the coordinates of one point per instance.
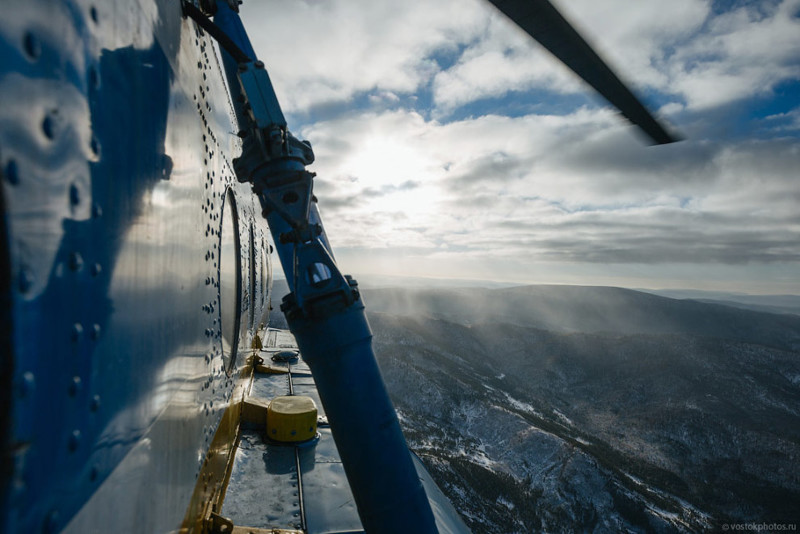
(116, 136)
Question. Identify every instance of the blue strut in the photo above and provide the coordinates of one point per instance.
(325, 311)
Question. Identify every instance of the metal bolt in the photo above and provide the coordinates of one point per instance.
(49, 125)
(74, 440)
(32, 46)
(27, 385)
(75, 261)
(25, 279)
(11, 172)
(77, 332)
(94, 144)
(95, 404)
(74, 195)
(75, 386)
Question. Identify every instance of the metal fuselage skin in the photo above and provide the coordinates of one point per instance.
(133, 263)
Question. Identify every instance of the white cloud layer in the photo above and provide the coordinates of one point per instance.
(541, 187)
(320, 52)
(406, 188)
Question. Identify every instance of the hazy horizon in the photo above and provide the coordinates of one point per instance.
(380, 281)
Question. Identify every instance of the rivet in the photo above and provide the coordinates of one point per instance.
(74, 195)
(74, 440)
(28, 385)
(11, 172)
(97, 211)
(95, 404)
(94, 144)
(25, 279)
(75, 386)
(77, 332)
(32, 46)
(93, 474)
(95, 334)
(75, 261)
(96, 269)
(93, 14)
(49, 125)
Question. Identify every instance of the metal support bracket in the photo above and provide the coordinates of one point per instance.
(274, 161)
(320, 288)
(288, 192)
(217, 524)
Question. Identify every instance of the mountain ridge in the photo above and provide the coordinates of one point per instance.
(563, 408)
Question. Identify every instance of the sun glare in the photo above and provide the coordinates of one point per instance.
(396, 177)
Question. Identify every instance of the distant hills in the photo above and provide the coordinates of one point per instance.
(566, 408)
(766, 303)
(589, 309)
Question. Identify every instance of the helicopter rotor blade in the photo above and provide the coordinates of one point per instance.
(542, 21)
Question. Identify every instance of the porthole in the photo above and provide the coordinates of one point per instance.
(266, 281)
(252, 289)
(230, 281)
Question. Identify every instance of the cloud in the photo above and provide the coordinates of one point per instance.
(319, 52)
(545, 188)
(322, 55)
(400, 171)
(743, 53)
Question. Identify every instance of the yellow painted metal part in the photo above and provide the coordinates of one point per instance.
(212, 481)
(292, 419)
(271, 369)
(254, 411)
(251, 530)
(260, 367)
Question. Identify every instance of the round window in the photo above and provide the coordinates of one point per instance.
(230, 282)
(252, 284)
(266, 281)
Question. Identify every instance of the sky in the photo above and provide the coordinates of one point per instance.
(450, 145)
